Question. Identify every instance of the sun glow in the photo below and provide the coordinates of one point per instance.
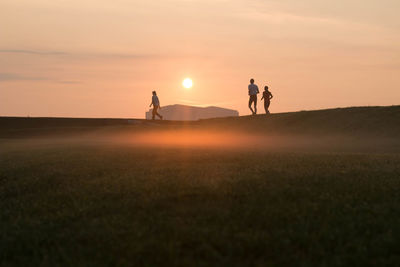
(187, 83)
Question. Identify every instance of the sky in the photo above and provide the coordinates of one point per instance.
(101, 58)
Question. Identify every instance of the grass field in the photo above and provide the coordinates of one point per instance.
(104, 198)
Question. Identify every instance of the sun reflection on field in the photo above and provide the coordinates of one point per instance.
(190, 138)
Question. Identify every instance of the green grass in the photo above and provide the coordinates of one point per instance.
(317, 188)
(99, 204)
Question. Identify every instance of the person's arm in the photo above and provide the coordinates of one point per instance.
(262, 97)
(151, 104)
(270, 95)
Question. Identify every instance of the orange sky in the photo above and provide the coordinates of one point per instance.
(100, 58)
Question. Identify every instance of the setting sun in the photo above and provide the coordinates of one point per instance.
(187, 83)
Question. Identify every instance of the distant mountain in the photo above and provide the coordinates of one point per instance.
(190, 113)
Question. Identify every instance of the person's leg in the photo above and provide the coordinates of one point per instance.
(158, 115)
(154, 112)
(266, 106)
(255, 104)
(251, 102)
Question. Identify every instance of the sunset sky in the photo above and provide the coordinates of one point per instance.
(101, 58)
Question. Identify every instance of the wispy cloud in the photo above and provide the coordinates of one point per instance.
(69, 82)
(134, 56)
(32, 52)
(276, 17)
(15, 77)
(18, 77)
(81, 54)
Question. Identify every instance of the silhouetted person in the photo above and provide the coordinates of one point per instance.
(253, 91)
(267, 96)
(156, 105)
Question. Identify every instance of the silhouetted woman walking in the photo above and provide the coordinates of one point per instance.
(267, 96)
(156, 105)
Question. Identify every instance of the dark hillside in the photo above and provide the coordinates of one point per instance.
(372, 121)
(366, 121)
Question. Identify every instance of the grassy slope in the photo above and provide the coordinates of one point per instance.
(374, 121)
(104, 204)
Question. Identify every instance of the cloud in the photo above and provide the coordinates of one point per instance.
(9, 77)
(366, 14)
(134, 56)
(17, 77)
(81, 54)
(32, 52)
(69, 82)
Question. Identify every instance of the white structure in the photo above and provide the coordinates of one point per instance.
(190, 113)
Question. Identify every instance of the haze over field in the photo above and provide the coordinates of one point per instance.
(371, 129)
(102, 59)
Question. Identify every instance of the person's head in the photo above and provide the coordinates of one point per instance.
(251, 81)
(266, 88)
(154, 93)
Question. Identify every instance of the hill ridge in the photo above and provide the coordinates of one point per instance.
(374, 121)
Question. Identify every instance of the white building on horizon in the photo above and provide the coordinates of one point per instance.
(179, 112)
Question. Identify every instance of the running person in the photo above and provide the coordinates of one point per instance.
(253, 91)
(156, 105)
(267, 96)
